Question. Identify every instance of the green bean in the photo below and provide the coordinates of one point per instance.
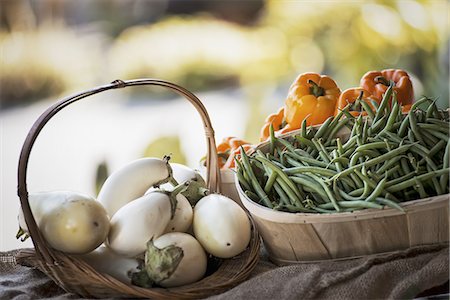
(303, 128)
(378, 190)
(436, 148)
(340, 160)
(294, 163)
(294, 198)
(283, 197)
(430, 140)
(392, 188)
(272, 139)
(439, 135)
(270, 181)
(279, 172)
(258, 189)
(323, 128)
(376, 160)
(372, 184)
(336, 129)
(251, 195)
(309, 169)
(432, 109)
(352, 204)
(392, 117)
(340, 148)
(381, 123)
(392, 170)
(307, 181)
(438, 122)
(350, 143)
(347, 196)
(356, 192)
(414, 127)
(322, 151)
(424, 152)
(368, 110)
(403, 127)
(419, 102)
(305, 141)
(302, 152)
(443, 181)
(388, 164)
(327, 191)
(389, 203)
(435, 127)
(384, 103)
(375, 104)
(373, 145)
(400, 179)
(241, 168)
(295, 209)
(310, 161)
(435, 183)
(419, 187)
(355, 158)
(244, 183)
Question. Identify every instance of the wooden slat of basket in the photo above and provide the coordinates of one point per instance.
(75, 276)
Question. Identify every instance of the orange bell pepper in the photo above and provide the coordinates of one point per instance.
(276, 120)
(377, 82)
(231, 163)
(228, 149)
(312, 96)
(349, 96)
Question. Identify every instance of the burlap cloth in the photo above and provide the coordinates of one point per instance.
(398, 275)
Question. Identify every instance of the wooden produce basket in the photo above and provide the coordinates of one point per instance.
(303, 237)
(75, 275)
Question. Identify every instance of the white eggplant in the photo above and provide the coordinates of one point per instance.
(103, 260)
(221, 226)
(137, 222)
(131, 181)
(182, 219)
(180, 174)
(173, 259)
(42, 202)
(70, 222)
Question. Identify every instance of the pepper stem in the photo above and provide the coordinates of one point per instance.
(382, 80)
(315, 89)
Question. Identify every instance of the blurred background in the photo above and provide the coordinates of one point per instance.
(238, 57)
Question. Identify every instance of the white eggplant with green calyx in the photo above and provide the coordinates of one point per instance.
(139, 221)
(173, 259)
(182, 198)
(221, 226)
(132, 180)
(181, 220)
(70, 222)
(182, 173)
(104, 260)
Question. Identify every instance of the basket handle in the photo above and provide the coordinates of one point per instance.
(212, 166)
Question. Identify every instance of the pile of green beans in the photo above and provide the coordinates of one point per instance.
(388, 157)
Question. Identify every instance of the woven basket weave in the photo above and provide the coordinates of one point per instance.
(76, 276)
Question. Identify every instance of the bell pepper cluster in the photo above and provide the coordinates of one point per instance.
(316, 97)
(313, 98)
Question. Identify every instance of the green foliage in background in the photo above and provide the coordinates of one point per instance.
(101, 174)
(160, 147)
(343, 39)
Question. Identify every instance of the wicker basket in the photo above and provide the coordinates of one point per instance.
(76, 276)
(301, 237)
